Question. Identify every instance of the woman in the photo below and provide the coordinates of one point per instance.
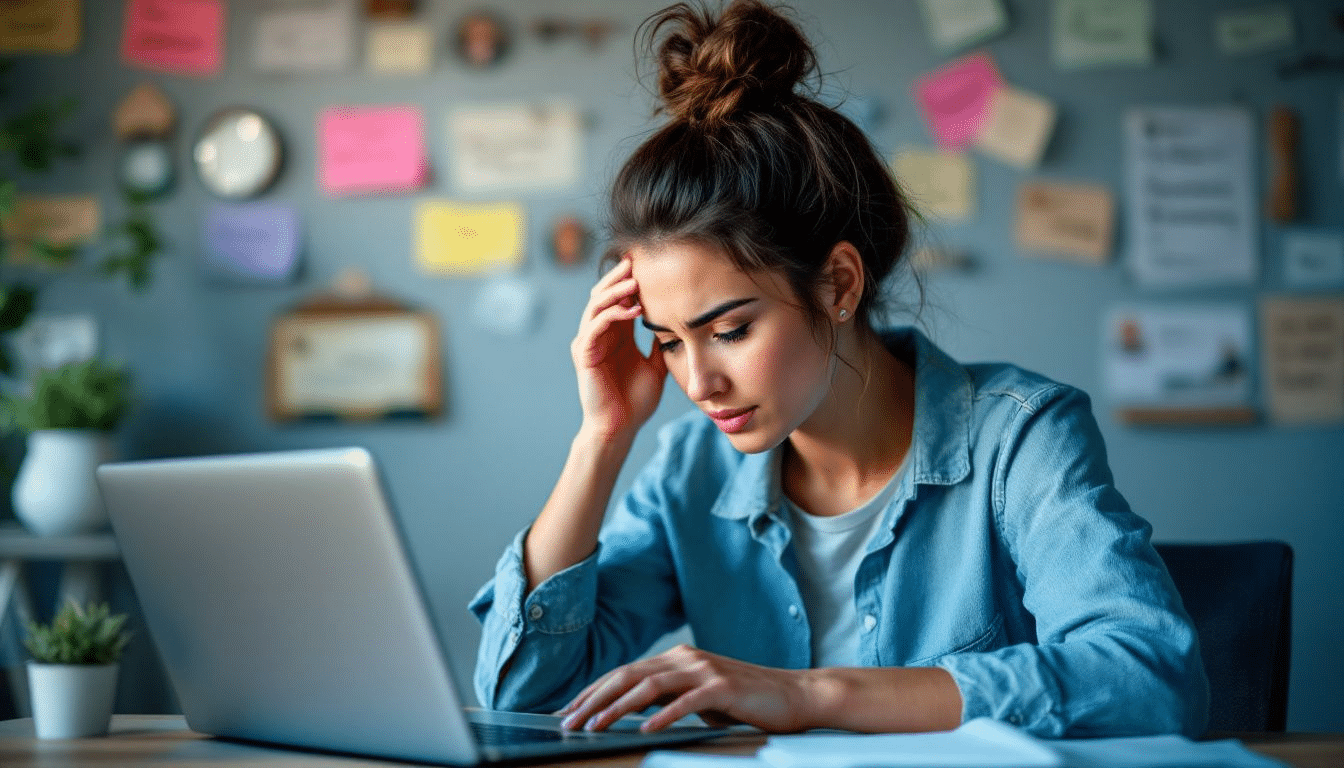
(860, 532)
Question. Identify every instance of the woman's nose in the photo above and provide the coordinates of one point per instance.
(703, 378)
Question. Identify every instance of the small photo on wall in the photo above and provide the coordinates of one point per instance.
(571, 240)
(481, 39)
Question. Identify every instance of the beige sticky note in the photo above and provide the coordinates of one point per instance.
(39, 26)
(400, 48)
(1302, 351)
(466, 239)
(938, 183)
(1066, 219)
(55, 220)
(1018, 127)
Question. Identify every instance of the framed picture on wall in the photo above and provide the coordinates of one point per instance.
(335, 358)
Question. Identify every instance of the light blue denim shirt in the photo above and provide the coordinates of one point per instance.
(1006, 557)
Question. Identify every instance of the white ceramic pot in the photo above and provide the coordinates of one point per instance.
(55, 491)
(71, 701)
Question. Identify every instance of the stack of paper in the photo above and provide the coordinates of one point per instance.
(981, 743)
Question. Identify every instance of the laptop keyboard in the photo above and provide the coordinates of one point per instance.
(496, 735)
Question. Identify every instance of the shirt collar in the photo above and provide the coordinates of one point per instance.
(940, 446)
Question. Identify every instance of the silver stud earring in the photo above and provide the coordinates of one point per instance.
(844, 313)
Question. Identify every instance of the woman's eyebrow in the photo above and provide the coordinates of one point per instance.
(704, 319)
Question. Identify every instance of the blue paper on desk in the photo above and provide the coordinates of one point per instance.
(980, 743)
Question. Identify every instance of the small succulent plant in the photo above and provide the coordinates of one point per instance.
(78, 635)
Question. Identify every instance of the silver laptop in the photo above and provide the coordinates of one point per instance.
(279, 593)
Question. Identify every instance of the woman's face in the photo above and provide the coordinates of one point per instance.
(739, 345)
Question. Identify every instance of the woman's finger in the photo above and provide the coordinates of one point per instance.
(622, 293)
(587, 344)
(653, 689)
(584, 694)
(697, 699)
(583, 697)
(615, 684)
(614, 275)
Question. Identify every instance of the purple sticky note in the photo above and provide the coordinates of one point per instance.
(955, 99)
(253, 242)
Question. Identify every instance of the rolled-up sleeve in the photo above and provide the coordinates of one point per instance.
(1116, 653)
(539, 649)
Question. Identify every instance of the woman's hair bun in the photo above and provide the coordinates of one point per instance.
(749, 57)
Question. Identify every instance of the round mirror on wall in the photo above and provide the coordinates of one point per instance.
(238, 154)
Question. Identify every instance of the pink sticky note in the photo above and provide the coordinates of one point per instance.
(181, 36)
(955, 99)
(371, 149)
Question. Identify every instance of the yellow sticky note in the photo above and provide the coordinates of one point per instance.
(467, 239)
(939, 183)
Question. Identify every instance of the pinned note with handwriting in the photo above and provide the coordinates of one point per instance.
(1303, 358)
(179, 36)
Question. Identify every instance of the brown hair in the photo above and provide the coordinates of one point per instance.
(750, 165)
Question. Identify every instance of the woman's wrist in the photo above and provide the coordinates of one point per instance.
(822, 694)
(605, 438)
(878, 699)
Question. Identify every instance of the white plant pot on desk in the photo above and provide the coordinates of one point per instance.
(55, 492)
(71, 701)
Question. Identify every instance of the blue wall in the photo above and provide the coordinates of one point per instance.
(467, 483)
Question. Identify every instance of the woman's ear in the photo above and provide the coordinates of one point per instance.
(845, 278)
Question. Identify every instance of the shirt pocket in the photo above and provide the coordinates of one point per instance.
(984, 640)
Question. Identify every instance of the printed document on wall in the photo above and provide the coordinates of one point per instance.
(1191, 203)
(1304, 358)
(515, 146)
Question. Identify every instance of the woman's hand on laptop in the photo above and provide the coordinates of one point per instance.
(687, 680)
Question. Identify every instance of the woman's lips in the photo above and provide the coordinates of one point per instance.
(734, 420)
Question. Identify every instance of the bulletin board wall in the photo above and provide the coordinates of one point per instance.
(467, 479)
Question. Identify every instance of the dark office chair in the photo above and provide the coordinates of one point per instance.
(1240, 598)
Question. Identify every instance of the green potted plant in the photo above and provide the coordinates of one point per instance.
(69, 418)
(72, 677)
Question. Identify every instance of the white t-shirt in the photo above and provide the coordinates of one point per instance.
(829, 550)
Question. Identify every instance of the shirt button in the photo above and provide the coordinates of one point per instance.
(869, 622)
(513, 636)
(535, 612)
(793, 611)
(1014, 720)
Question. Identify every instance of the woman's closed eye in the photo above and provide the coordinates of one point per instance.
(737, 334)
(669, 346)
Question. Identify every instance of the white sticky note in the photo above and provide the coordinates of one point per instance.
(1089, 33)
(400, 49)
(1313, 259)
(955, 24)
(304, 38)
(1255, 30)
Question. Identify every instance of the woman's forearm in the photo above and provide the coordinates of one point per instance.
(566, 530)
(880, 700)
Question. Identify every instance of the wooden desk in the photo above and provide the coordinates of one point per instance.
(165, 742)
